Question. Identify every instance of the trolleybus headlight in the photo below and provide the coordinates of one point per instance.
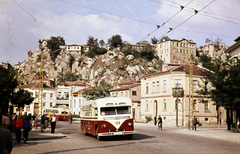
(129, 124)
(104, 126)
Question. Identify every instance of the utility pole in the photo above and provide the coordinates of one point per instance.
(191, 114)
(177, 107)
(40, 89)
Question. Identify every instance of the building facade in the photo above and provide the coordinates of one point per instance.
(132, 90)
(169, 50)
(157, 98)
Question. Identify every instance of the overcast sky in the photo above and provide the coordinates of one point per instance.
(24, 22)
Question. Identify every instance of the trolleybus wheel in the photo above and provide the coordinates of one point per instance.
(98, 137)
(84, 130)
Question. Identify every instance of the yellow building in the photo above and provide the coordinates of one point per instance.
(157, 98)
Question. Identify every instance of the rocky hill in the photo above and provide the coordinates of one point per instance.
(109, 67)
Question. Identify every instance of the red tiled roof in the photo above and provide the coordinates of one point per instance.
(37, 78)
(126, 87)
(183, 68)
(128, 82)
(33, 85)
(81, 91)
(73, 83)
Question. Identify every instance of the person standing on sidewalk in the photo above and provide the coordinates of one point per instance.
(18, 128)
(6, 143)
(6, 122)
(195, 123)
(155, 120)
(53, 121)
(42, 122)
(160, 122)
(26, 128)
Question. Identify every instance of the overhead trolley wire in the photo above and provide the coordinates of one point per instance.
(204, 13)
(33, 17)
(158, 26)
(195, 12)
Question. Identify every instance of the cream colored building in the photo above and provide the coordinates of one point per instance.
(168, 50)
(49, 97)
(132, 90)
(157, 98)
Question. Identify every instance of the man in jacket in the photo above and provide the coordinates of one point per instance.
(6, 143)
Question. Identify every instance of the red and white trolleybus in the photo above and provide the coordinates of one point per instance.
(107, 117)
(60, 113)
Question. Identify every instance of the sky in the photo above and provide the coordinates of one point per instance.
(24, 22)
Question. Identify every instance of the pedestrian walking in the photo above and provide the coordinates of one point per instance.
(53, 122)
(155, 120)
(34, 119)
(42, 122)
(6, 143)
(159, 122)
(26, 128)
(18, 128)
(195, 123)
(70, 118)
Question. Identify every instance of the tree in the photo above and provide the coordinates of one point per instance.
(91, 42)
(68, 76)
(147, 53)
(225, 85)
(22, 97)
(102, 43)
(54, 44)
(115, 41)
(97, 92)
(154, 40)
(207, 62)
(164, 39)
(8, 82)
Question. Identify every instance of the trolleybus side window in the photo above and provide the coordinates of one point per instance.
(123, 110)
(108, 111)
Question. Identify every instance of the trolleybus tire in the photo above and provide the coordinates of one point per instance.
(98, 137)
(84, 130)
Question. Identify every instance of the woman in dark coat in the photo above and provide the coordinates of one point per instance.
(26, 128)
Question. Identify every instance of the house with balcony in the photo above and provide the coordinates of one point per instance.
(65, 92)
(158, 97)
(132, 90)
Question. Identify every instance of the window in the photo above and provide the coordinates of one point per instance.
(194, 104)
(126, 94)
(178, 83)
(51, 104)
(122, 94)
(80, 102)
(36, 94)
(194, 85)
(108, 111)
(59, 94)
(146, 105)
(164, 85)
(44, 103)
(123, 110)
(153, 90)
(66, 95)
(164, 104)
(44, 95)
(146, 88)
(74, 103)
(206, 107)
(51, 95)
(158, 90)
(134, 93)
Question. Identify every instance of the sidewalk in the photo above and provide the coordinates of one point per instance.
(211, 131)
(36, 134)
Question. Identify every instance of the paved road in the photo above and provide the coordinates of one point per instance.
(147, 140)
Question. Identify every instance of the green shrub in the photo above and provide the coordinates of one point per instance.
(148, 118)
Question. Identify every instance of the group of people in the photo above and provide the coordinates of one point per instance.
(52, 120)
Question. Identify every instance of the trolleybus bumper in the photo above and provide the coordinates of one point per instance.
(117, 133)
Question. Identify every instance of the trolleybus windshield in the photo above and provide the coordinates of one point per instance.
(115, 110)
